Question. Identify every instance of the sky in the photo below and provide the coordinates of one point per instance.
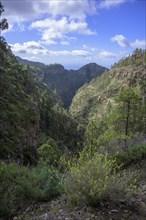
(75, 32)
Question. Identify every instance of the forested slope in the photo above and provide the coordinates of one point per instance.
(28, 114)
(96, 98)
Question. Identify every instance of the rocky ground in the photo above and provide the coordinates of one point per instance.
(59, 209)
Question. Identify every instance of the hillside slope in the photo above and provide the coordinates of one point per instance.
(64, 83)
(96, 98)
(27, 114)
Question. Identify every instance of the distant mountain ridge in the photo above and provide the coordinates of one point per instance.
(28, 62)
(64, 83)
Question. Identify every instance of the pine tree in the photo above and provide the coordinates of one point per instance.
(128, 117)
(3, 22)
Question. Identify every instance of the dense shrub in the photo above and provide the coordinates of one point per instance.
(92, 180)
(49, 181)
(17, 186)
(20, 185)
(49, 152)
(134, 154)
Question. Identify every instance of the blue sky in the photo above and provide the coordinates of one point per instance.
(75, 32)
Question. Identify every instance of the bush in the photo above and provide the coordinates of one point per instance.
(49, 181)
(134, 154)
(17, 186)
(20, 185)
(49, 152)
(92, 180)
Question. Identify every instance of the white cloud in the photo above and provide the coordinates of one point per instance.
(64, 42)
(27, 10)
(107, 55)
(31, 58)
(33, 45)
(36, 48)
(73, 9)
(49, 42)
(121, 40)
(86, 47)
(18, 12)
(30, 47)
(82, 53)
(111, 3)
(58, 28)
(138, 44)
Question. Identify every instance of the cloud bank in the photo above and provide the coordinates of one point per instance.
(36, 48)
(27, 10)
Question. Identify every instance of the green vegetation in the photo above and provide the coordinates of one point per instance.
(3, 22)
(45, 152)
(92, 180)
(97, 98)
(61, 82)
(89, 98)
(123, 128)
(21, 185)
(49, 152)
(134, 154)
(138, 58)
(28, 114)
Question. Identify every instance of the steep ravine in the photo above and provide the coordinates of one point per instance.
(62, 82)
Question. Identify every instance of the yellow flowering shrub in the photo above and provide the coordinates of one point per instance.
(97, 178)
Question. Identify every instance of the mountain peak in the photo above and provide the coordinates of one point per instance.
(63, 82)
(55, 68)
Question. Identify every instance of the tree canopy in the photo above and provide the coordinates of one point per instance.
(3, 22)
